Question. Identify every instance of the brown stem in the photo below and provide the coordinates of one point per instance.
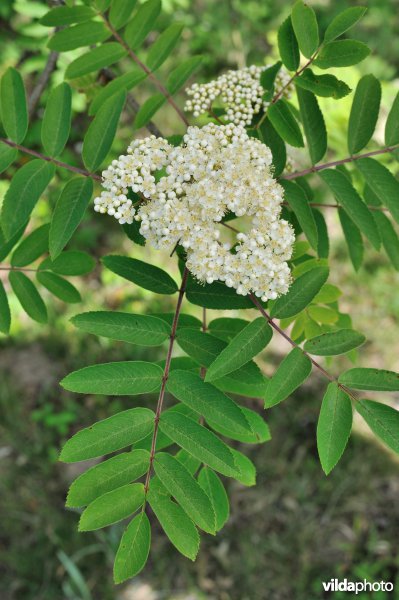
(318, 366)
(277, 96)
(165, 376)
(144, 68)
(56, 162)
(42, 82)
(295, 75)
(342, 161)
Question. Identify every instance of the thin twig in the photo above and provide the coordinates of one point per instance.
(277, 96)
(56, 162)
(144, 68)
(165, 376)
(42, 82)
(318, 366)
(336, 163)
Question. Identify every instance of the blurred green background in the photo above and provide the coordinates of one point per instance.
(296, 528)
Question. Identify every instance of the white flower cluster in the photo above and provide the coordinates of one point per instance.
(217, 170)
(239, 91)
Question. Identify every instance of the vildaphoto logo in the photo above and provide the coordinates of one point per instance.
(335, 585)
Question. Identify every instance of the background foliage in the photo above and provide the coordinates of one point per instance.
(360, 536)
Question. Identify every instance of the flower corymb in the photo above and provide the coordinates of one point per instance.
(186, 192)
(239, 92)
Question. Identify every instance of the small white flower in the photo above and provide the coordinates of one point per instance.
(217, 170)
(239, 92)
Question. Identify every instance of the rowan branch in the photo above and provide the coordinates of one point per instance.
(318, 366)
(336, 163)
(146, 70)
(165, 376)
(50, 159)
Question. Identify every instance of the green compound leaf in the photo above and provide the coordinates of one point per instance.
(186, 490)
(249, 342)
(178, 527)
(148, 110)
(389, 237)
(180, 74)
(163, 46)
(123, 378)
(191, 463)
(353, 239)
(341, 53)
(215, 491)
(216, 295)
(56, 123)
(68, 213)
(364, 113)
(297, 201)
(323, 314)
(70, 262)
(142, 330)
(32, 247)
(383, 420)
(77, 36)
(285, 124)
(327, 86)
(346, 195)
(122, 83)
(381, 181)
(111, 434)
(7, 156)
(107, 476)
(305, 27)
(134, 549)
(344, 21)
(65, 15)
(14, 111)
(141, 273)
(142, 23)
(120, 12)
(200, 442)
(112, 507)
(300, 294)
(313, 124)
(25, 189)
(268, 76)
(269, 136)
(334, 342)
(226, 328)
(100, 135)
(287, 45)
(247, 474)
(28, 296)
(208, 401)
(259, 432)
(323, 244)
(392, 124)
(5, 315)
(371, 379)
(7, 246)
(333, 427)
(291, 373)
(59, 287)
(97, 58)
(248, 380)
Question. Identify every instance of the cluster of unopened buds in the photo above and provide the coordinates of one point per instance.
(186, 191)
(240, 93)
